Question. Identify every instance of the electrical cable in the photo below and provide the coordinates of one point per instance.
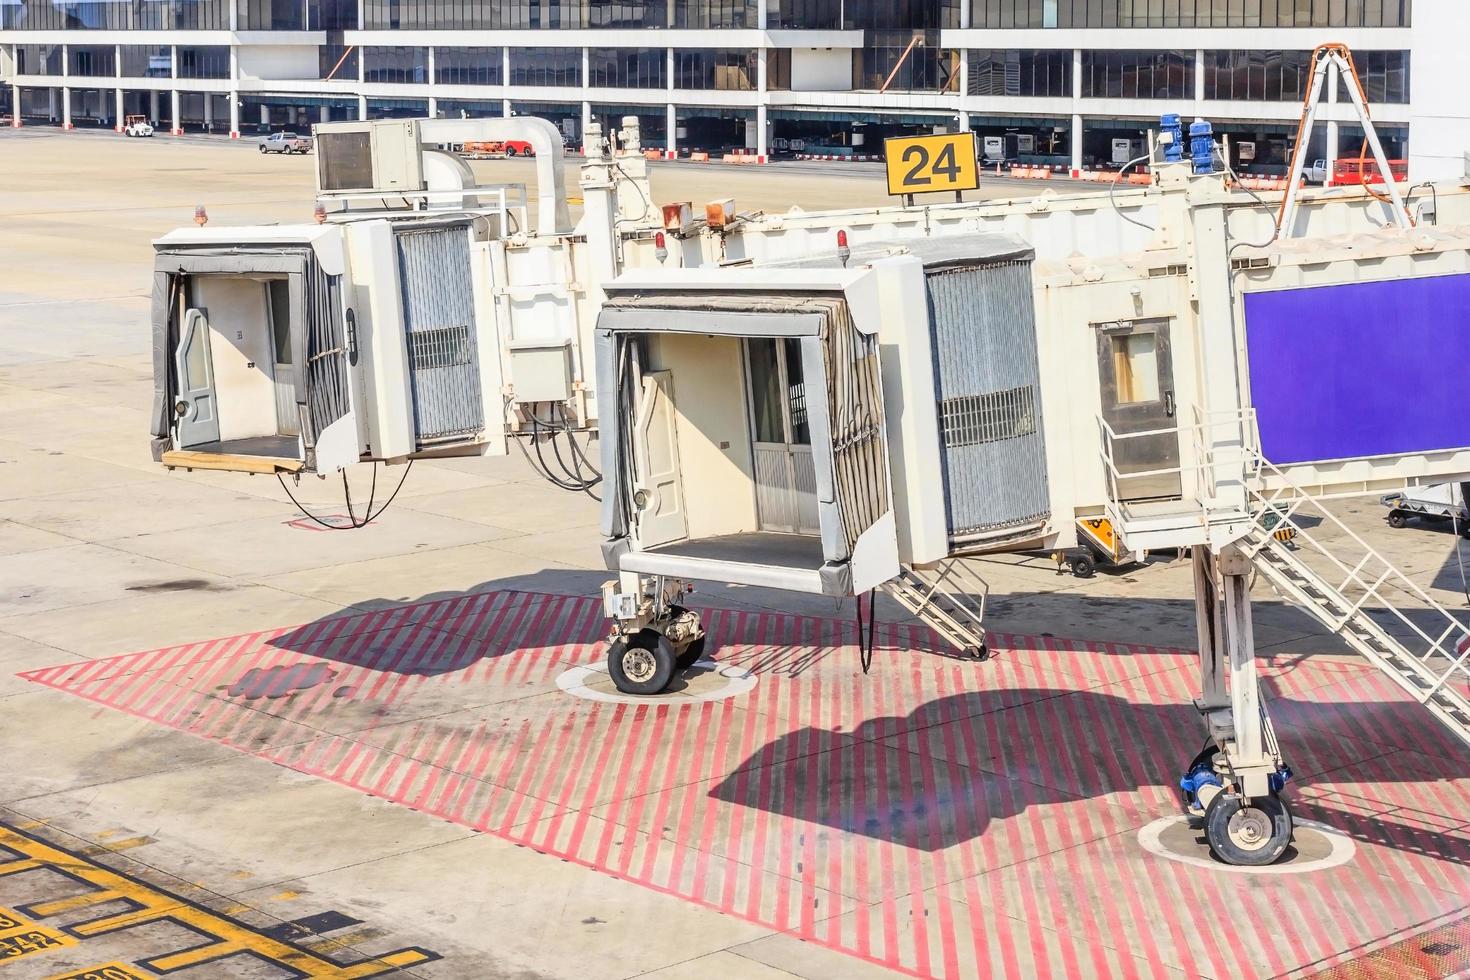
(370, 515)
(1112, 195)
(1276, 228)
(865, 638)
(1459, 557)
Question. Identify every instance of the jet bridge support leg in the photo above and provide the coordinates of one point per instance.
(1236, 781)
(653, 635)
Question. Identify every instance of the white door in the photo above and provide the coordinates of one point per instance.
(197, 405)
(658, 489)
(785, 476)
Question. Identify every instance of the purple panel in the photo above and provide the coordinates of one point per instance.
(1366, 369)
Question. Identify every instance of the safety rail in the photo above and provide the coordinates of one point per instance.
(949, 597)
(1344, 607)
(1209, 454)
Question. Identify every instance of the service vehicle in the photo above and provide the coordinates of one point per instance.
(285, 143)
(137, 126)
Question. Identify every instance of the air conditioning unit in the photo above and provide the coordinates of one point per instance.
(364, 157)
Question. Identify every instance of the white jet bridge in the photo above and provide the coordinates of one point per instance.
(844, 401)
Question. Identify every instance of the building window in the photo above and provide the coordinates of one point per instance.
(546, 66)
(38, 59)
(271, 15)
(1137, 74)
(810, 15)
(93, 62)
(147, 61)
(1257, 76)
(905, 61)
(1385, 76)
(1219, 13)
(204, 62)
(1005, 13)
(778, 70)
(626, 67)
(714, 68)
(395, 64)
(715, 13)
(1021, 73)
(469, 66)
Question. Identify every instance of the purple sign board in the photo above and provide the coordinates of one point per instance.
(1362, 369)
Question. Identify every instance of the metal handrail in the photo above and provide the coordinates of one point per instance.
(1354, 577)
(1207, 457)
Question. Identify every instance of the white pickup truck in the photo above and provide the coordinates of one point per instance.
(285, 143)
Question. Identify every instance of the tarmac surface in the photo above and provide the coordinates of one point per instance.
(239, 746)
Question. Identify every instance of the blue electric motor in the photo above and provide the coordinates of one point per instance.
(1202, 146)
(1173, 147)
(1202, 774)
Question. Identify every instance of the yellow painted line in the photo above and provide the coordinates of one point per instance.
(12, 920)
(45, 910)
(286, 896)
(15, 867)
(105, 971)
(229, 935)
(195, 956)
(96, 850)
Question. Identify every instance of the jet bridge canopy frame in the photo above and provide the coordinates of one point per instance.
(843, 399)
(320, 347)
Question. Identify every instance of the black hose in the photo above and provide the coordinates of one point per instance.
(353, 523)
(865, 638)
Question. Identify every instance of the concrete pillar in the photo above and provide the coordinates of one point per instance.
(153, 117)
(209, 112)
(234, 115)
(15, 107)
(505, 108)
(1076, 143)
(760, 131)
(505, 67)
(586, 68)
(265, 116)
(1330, 148)
(66, 108)
(117, 120)
(586, 122)
(325, 115)
(671, 125)
(761, 9)
(964, 122)
(362, 107)
(53, 110)
(178, 118)
(433, 107)
(1199, 83)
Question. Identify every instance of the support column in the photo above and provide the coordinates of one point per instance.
(1076, 143)
(505, 108)
(154, 119)
(433, 107)
(209, 112)
(117, 121)
(762, 137)
(178, 119)
(265, 117)
(66, 108)
(671, 129)
(53, 105)
(15, 98)
(324, 114)
(362, 107)
(1329, 147)
(586, 125)
(1199, 84)
(234, 115)
(760, 132)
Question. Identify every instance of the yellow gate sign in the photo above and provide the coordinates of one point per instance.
(926, 164)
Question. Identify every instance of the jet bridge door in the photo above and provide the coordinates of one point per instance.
(198, 420)
(1136, 373)
(658, 493)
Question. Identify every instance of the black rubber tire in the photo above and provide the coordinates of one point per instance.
(510, 151)
(263, 149)
(1397, 519)
(692, 654)
(652, 643)
(1083, 566)
(1217, 830)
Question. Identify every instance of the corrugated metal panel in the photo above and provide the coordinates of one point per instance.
(439, 315)
(288, 423)
(773, 489)
(804, 475)
(985, 367)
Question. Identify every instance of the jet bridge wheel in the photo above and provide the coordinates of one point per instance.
(1397, 519)
(642, 663)
(1251, 834)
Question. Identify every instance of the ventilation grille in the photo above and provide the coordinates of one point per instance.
(440, 347)
(970, 420)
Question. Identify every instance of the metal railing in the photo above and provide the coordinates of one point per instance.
(1219, 443)
(1369, 580)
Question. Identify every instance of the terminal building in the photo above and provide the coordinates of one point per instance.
(1066, 83)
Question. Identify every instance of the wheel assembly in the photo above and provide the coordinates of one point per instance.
(642, 663)
(1251, 834)
(1397, 519)
(1083, 566)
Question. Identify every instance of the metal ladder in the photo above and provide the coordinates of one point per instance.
(1344, 607)
(949, 598)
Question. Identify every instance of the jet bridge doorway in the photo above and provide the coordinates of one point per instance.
(781, 439)
(1136, 375)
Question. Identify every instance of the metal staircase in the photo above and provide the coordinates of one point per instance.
(1424, 649)
(949, 598)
